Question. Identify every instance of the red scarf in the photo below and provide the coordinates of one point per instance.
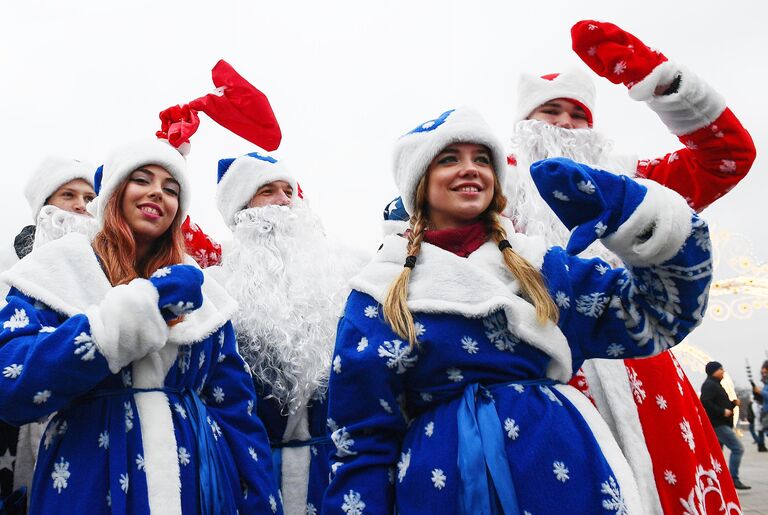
(462, 241)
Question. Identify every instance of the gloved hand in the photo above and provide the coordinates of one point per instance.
(179, 288)
(614, 53)
(591, 203)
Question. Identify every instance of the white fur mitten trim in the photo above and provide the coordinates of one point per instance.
(127, 324)
(693, 106)
(657, 229)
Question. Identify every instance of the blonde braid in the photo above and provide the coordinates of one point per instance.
(396, 311)
(531, 281)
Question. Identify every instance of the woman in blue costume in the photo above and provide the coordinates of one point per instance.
(154, 408)
(457, 339)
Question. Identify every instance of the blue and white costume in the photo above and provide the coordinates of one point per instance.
(476, 418)
(126, 439)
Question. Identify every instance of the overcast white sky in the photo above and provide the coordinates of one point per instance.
(345, 78)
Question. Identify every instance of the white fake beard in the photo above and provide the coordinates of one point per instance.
(53, 223)
(533, 141)
(282, 271)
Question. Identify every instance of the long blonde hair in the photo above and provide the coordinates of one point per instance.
(532, 284)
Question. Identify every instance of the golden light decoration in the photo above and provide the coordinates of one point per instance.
(744, 289)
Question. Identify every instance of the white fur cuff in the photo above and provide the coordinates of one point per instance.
(127, 324)
(693, 106)
(665, 215)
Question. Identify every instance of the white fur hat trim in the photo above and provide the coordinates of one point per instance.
(50, 175)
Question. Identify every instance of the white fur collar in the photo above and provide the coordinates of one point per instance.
(66, 276)
(473, 287)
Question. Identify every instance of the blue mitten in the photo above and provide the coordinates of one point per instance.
(591, 203)
(180, 289)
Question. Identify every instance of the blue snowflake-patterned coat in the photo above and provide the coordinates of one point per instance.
(123, 439)
(403, 419)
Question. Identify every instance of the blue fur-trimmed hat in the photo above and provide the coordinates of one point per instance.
(240, 178)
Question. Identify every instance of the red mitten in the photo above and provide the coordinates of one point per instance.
(199, 245)
(178, 124)
(614, 53)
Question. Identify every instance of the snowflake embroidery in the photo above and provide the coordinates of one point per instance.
(161, 272)
(637, 385)
(126, 378)
(687, 434)
(550, 394)
(337, 364)
(680, 388)
(518, 387)
(438, 478)
(469, 345)
(104, 439)
(362, 344)
(201, 360)
(728, 166)
(221, 358)
(419, 329)
(715, 464)
(592, 51)
(311, 510)
(403, 464)
(140, 464)
(85, 346)
(559, 195)
(592, 305)
(41, 397)
(562, 300)
(498, 333)
(398, 355)
(221, 339)
(454, 374)
(60, 475)
(591, 26)
(249, 408)
(615, 501)
(602, 268)
(343, 442)
(218, 394)
(13, 371)
(512, 429)
(272, 504)
(353, 504)
(124, 483)
(47, 329)
(128, 416)
(661, 402)
(184, 456)
(619, 68)
(371, 311)
(586, 187)
(109, 498)
(185, 356)
(180, 410)
(253, 454)
(215, 429)
(670, 477)
(429, 429)
(672, 157)
(615, 350)
(560, 471)
(18, 320)
(600, 229)
(385, 405)
(180, 308)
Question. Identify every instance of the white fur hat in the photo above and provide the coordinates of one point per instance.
(126, 159)
(574, 85)
(240, 178)
(50, 175)
(415, 150)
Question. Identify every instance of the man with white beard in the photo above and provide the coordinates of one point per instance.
(57, 192)
(290, 284)
(649, 404)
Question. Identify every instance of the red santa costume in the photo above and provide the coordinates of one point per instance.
(649, 404)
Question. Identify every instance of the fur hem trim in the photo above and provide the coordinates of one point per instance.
(472, 287)
(394, 227)
(663, 213)
(695, 105)
(161, 460)
(608, 445)
(128, 313)
(609, 386)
